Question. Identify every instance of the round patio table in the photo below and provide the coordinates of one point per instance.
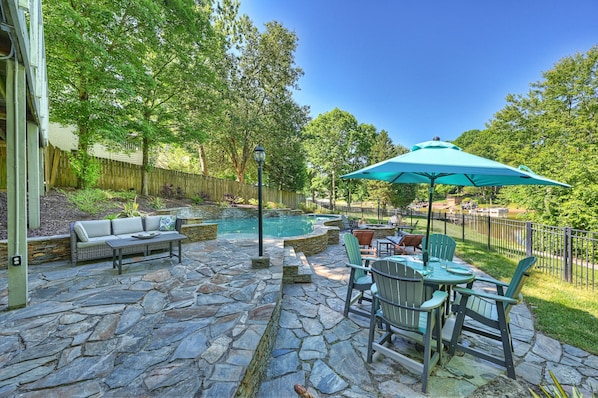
(438, 272)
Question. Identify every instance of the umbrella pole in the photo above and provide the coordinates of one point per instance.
(425, 249)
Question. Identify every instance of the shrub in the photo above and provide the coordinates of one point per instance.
(90, 201)
(156, 202)
(167, 191)
(197, 199)
(233, 200)
(558, 391)
(86, 168)
(253, 202)
(131, 209)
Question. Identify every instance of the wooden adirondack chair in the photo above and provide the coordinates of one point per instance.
(360, 279)
(365, 239)
(492, 311)
(408, 243)
(400, 303)
(441, 246)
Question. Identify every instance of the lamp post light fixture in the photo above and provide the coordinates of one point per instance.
(259, 154)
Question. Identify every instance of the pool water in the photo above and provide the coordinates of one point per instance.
(274, 227)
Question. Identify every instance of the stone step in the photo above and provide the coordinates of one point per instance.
(295, 268)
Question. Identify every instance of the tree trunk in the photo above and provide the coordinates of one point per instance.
(145, 168)
(333, 193)
(203, 162)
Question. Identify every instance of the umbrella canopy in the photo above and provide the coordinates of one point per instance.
(438, 162)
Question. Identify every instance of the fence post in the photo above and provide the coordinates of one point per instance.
(445, 219)
(529, 240)
(567, 258)
(488, 232)
(463, 226)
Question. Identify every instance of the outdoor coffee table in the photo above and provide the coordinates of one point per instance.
(388, 246)
(117, 246)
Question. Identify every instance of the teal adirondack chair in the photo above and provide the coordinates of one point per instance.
(402, 304)
(492, 311)
(441, 246)
(360, 278)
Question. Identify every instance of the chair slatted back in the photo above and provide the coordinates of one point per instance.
(441, 246)
(518, 279)
(354, 253)
(400, 292)
(365, 238)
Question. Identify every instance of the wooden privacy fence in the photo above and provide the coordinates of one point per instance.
(119, 176)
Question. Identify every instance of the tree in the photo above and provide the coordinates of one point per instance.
(335, 145)
(554, 131)
(396, 195)
(123, 71)
(177, 76)
(92, 67)
(261, 73)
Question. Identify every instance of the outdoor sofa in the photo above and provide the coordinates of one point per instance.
(88, 238)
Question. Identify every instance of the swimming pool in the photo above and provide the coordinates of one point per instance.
(274, 227)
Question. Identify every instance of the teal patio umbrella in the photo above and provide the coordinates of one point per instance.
(438, 162)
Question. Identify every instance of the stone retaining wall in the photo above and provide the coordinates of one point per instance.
(314, 243)
(42, 250)
(380, 232)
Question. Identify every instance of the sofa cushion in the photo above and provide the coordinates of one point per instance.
(167, 223)
(124, 226)
(97, 241)
(95, 228)
(80, 231)
(152, 223)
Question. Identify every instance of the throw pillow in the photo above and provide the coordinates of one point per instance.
(81, 233)
(167, 223)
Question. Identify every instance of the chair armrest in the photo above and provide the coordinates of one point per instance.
(368, 252)
(490, 280)
(361, 267)
(438, 299)
(490, 296)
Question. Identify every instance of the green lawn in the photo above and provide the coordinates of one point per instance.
(560, 310)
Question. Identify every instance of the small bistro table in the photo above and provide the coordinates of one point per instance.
(117, 246)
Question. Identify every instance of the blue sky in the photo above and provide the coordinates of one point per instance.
(418, 69)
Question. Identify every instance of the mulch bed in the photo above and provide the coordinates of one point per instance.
(56, 213)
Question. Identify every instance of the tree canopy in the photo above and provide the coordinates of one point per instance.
(553, 129)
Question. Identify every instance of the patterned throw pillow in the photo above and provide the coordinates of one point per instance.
(167, 223)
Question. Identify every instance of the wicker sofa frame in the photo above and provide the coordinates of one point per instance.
(104, 251)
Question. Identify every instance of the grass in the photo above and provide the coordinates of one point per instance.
(94, 201)
(562, 311)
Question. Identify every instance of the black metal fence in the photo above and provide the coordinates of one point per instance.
(563, 252)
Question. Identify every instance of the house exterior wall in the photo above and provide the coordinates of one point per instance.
(64, 137)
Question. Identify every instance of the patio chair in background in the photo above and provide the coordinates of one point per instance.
(492, 311)
(359, 279)
(441, 246)
(400, 303)
(366, 239)
(407, 243)
(395, 220)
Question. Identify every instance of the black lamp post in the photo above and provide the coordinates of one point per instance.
(259, 154)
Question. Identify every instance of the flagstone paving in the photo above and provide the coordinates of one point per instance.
(164, 329)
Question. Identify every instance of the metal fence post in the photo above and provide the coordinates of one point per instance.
(488, 232)
(463, 226)
(529, 239)
(567, 257)
(445, 220)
